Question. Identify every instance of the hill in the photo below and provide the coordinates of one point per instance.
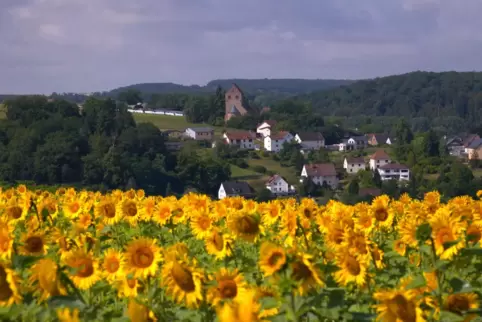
(416, 94)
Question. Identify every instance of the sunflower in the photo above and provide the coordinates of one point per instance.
(446, 229)
(162, 213)
(272, 258)
(289, 225)
(85, 270)
(218, 244)
(147, 208)
(264, 292)
(271, 212)
(246, 309)
(138, 312)
(107, 210)
(6, 242)
(183, 281)
(128, 286)
(381, 211)
(175, 252)
(352, 269)
(34, 244)
(142, 257)
(9, 293)
(461, 303)
(377, 256)
(64, 243)
(407, 230)
(72, 208)
(474, 232)
(357, 241)
(129, 211)
(16, 210)
(397, 305)
(305, 273)
(113, 264)
(400, 247)
(245, 226)
(67, 315)
(48, 205)
(229, 285)
(45, 277)
(201, 225)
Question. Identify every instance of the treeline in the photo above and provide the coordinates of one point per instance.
(51, 142)
(446, 102)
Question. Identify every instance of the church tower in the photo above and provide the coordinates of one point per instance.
(236, 104)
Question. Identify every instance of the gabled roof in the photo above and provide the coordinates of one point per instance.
(380, 155)
(355, 160)
(393, 166)
(237, 188)
(475, 144)
(279, 135)
(274, 178)
(241, 135)
(270, 123)
(320, 170)
(381, 138)
(467, 141)
(235, 87)
(310, 136)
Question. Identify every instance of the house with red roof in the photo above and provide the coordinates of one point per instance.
(278, 185)
(320, 173)
(378, 159)
(241, 139)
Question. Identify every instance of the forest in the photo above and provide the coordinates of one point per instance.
(101, 147)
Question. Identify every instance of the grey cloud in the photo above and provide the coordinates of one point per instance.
(88, 45)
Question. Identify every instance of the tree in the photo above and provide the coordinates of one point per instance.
(377, 179)
(264, 195)
(353, 187)
(130, 97)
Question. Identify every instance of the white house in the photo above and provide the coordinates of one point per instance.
(353, 143)
(310, 140)
(378, 159)
(320, 173)
(353, 165)
(200, 133)
(264, 129)
(274, 142)
(394, 171)
(234, 189)
(242, 139)
(278, 185)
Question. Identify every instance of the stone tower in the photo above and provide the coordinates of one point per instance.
(235, 103)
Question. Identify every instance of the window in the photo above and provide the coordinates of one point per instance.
(237, 97)
(229, 97)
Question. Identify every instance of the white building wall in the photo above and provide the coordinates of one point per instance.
(221, 193)
(375, 164)
(401, 175)
(278, 186)
(264, 129)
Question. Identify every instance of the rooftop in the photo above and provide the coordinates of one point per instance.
(380, 155)
(320, 169)
(201, 129)
(310, 136)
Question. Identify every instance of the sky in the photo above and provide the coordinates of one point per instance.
(97, 45)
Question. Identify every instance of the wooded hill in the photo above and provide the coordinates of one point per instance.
(416, 94)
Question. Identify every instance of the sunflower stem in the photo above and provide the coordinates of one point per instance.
(437, 273)
(293, 306)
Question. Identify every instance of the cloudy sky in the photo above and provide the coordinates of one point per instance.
(91, 45)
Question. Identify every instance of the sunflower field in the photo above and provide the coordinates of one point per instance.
(123, 256)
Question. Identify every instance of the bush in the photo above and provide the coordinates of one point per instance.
(240, 163)
(254, 155)
(259, 169)
(276, 157)
(265, 154)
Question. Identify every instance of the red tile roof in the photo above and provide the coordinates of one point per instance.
(242, 135)
(274, 178)
(320, 170)
(279, 136)
(380, 155)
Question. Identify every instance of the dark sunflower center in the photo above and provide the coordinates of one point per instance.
(131, 209)
(228, 289)
(204, 223)
(183, 278)
(5, 291)
(218, 241)
(143, 257)
(300, 271)
(402, 308)
(131, 282)
(275, 258)
(74, 207)
(109, 210)
(353, 266)
(458, 304)
(307, 212)
(381, 214)
(15, 212)
(85, 269)
(112, 265)
(248, 225)
(445, 235)
(474, 234)
(34, 244)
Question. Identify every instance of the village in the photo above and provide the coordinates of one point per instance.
(354, 153)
